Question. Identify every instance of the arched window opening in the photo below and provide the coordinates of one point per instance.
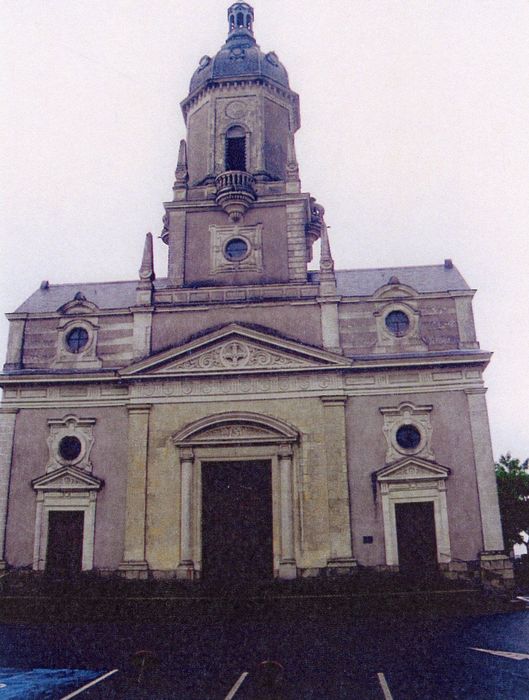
(235, 149)
(240, 20)
(232, 23)
(248, 22)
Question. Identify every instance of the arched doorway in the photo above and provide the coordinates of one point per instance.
(236, 507)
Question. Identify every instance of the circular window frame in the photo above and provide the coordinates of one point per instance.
(66, 333)
(57, 444)
(247, 254)
(64, 459)
(408, 450)
(411, 313)
(402, 334)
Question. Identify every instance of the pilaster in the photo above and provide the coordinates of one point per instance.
(176, 241)
(287, 564)
(485, 475)
(15, 343)
(330, 324)
(186, 567)
(340, 548)
(134, 564)
(7, 434)
(142, 331)
(296, 243)
(465, 323)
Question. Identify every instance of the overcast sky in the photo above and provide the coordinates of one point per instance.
(414, 137)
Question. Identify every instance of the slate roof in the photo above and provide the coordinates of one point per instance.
(250, 62)
(422, 278)
(120, 295)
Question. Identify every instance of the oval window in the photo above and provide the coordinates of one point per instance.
(397, 322)
(70, 448)
(408, 437)
(77, 339)
(236, 249)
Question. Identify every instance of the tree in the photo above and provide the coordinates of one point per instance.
(512, 478)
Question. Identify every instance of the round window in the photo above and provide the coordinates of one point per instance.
(70, 448)
(397, 322)
(236, 249)
(77, 339)
(408, 437)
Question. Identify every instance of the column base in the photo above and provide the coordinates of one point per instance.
(3, 565)
(287, 570)
(496, 570)
(341, 566)
(185, 571)
(136, 569)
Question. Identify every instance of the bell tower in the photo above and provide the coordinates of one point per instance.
(238, 216)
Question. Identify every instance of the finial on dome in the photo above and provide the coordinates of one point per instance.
(240, 17)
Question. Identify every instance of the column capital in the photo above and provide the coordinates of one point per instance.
(475, 390)
(187, 454)
(333, 400)
(139, 408)
(285, 451)
(9, 410)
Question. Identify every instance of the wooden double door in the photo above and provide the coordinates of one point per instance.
(237, 540)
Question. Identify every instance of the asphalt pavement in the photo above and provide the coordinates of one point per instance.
(388, 657)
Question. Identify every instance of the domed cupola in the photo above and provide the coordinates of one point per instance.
(240, 57)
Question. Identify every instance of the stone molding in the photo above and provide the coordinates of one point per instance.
(235, 427)
(68, 488)
(219, 237)
(70, 425)
(87, 357)
(414, 480)
(408, 413)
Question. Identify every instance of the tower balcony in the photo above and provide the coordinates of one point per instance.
(235, 192)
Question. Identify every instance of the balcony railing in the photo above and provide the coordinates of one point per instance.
(235, 192)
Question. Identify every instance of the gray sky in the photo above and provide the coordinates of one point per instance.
(414, 137)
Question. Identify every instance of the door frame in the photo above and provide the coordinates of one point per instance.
(67, 488)
(242, 437)
(414, 480)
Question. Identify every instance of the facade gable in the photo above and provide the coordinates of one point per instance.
(235, 348)
(412, 469)
(67, 479)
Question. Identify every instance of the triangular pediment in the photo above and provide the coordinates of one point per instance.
(238, 349)
(67, 479)
(412, 469)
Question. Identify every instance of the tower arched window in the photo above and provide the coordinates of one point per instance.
(240, 20)
(232, 22)
(235, 156)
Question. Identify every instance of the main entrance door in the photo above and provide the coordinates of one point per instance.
(417, 544)
(237, 521)
(65, 542)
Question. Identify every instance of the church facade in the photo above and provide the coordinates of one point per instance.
(246, 416)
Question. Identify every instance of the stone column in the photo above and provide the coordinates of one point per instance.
(7, 434)
(134, 564)
(38, 559)
(287, 563)
(340, 549)
(186, 567)
(485, 476)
